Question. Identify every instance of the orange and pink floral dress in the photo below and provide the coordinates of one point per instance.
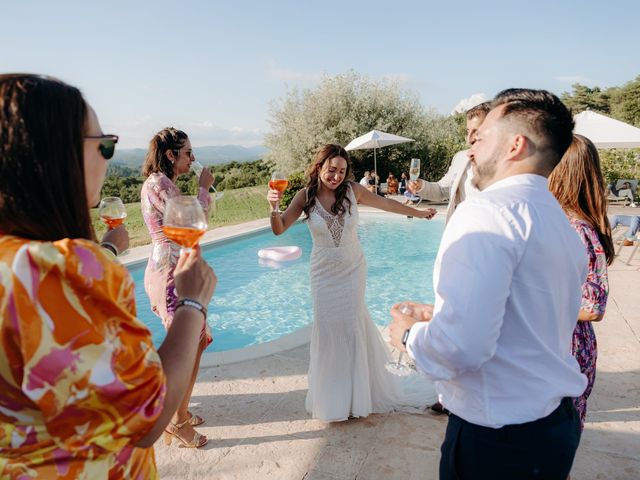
(80, 381)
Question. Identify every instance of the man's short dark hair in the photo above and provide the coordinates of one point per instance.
(480, 110)
(543, 114)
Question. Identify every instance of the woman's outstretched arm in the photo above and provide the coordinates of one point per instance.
(365, 197)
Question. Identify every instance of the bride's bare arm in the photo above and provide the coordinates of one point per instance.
(365, 197)
(281, 222)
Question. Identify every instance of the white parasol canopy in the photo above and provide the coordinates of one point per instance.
(606, 132)
(375, 139)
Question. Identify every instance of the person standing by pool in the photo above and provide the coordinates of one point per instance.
(347, 375)
(402, 185)
(508, 279)
(169, 155)
(577, 185)
(84, 392)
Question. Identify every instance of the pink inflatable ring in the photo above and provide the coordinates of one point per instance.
(280, 254)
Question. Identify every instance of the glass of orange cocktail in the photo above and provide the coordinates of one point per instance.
(112, 212)
(278, 182)
(184, 221)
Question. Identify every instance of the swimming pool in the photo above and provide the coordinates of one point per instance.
(254, 303)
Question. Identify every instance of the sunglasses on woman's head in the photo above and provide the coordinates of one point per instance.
(107, 144)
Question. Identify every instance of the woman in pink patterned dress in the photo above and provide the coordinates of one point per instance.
(170, 154)
(578, 185)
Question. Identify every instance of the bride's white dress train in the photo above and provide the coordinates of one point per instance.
(347, 374)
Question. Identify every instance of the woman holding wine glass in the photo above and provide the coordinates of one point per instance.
(84, 393)
(170, 154)
(347, 374)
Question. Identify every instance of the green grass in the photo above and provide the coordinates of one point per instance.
(237, 206)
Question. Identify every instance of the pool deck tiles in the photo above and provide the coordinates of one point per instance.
(259, 429)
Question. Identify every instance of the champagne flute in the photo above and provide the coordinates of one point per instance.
(278, 182)
(112, 212)
(184, 221)
(414, 169)
(399, 368)
(197, 168)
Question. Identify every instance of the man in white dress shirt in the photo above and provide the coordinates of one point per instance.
(507, 280)
(456, 184)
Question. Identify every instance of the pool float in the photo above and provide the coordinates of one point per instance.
(280, 254)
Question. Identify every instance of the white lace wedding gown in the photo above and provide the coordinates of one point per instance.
(347, 374)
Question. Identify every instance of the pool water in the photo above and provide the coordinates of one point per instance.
(254, 303)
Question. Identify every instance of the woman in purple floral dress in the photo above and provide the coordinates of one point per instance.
(170, 154)
(578, 185)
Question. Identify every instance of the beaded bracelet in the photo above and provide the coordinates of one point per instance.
(189, 302)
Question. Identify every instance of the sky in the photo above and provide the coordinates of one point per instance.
(216, 68)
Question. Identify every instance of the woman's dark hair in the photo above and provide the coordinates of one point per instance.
(579, 187)
(42, 187)
(325, 153)
(157, 161)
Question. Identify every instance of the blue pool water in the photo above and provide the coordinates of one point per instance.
(254, 303)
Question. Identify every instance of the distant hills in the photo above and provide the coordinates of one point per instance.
(133, 157)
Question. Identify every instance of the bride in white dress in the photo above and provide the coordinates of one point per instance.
(347, 374)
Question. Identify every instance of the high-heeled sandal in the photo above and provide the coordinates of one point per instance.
(195, 420)
(172, 430)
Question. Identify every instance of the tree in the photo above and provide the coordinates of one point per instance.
(625, 102)
(346, 106)
(585, 98)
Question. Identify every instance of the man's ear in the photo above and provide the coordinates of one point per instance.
(518, 147)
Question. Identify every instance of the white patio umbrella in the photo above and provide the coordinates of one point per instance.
(375, 139)
(606, 132)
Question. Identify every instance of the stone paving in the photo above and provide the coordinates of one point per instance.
(258, 427)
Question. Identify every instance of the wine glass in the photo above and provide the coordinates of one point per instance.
(278, 182)
(112, 212)
(197, 168)
(414, 169)
(184, 221)
(399, 368)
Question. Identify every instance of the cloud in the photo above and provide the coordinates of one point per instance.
(137, 133)
(571, 79)
(399, 78)
(467, 103)
(288, 75)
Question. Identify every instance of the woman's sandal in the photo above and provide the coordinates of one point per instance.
(195, 420)
(172, 430)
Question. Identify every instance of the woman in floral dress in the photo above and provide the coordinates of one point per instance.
(83, 391)
(578, 185)
(170, 154)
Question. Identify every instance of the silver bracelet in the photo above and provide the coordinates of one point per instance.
(190, 302)
(110, 246)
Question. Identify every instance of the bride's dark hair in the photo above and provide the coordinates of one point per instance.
(326, 153)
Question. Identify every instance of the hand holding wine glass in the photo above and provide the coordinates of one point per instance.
(399, 368)
(113, 213)
(279, 183)
(205, 179)
(184, 221)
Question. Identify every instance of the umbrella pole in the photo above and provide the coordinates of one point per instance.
(375, 169)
